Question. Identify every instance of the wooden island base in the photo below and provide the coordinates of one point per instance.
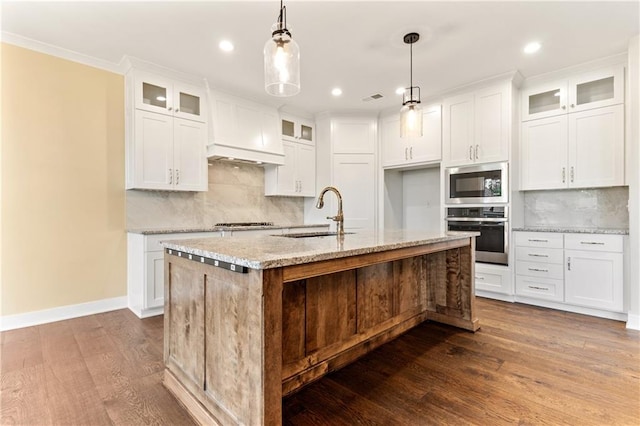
(236, 343)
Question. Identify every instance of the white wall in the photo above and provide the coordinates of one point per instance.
(633, 164)
(421, 199)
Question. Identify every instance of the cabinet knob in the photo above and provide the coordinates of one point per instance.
(564, 107)
(573, 106)
(177, 109)
(169, 108)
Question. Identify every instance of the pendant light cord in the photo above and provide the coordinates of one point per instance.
(411, 71)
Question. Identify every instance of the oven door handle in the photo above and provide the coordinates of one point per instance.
(477, 219)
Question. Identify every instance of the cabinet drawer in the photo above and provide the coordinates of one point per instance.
(540, 270)
(594, 242)
(539, 255)
(538, 239)
(152, 242)
(540, 288)
(489, 282)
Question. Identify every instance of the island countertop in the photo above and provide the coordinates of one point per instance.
(267, 251)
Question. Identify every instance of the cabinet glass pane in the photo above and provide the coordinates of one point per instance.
(594, 91)
(189, 104)
(547, 101)
(306, 132)
(154, 95)
(288, 128)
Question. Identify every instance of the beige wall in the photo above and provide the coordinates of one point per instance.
(62, 165)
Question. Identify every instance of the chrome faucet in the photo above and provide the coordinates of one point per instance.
(339, 218)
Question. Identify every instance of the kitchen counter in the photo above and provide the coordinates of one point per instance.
(251, 319)
(569, 230)
(178, 230)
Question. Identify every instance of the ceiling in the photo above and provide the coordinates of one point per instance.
(354, 45)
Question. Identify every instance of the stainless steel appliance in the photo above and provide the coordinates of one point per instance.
(484, 183)
(492, 246)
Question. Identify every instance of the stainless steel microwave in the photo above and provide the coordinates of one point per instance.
(483, 183)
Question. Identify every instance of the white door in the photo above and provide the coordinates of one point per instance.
(457, 130)
(287, 173)
(544, 153)
(593, 279)
(306, 170)
(354, 175)
(394, 148)
(429, 146)
(353, 135)
(153, 93)
(596, 147)
(492, 125)
(546, 100)
(596, 89)
(153, 168)
(190, 157)
(154, 291)
(189, 102)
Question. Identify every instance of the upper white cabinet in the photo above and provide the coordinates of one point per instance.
(297, 177)
(166, 134)
(579, 141)
(595, 89)
(245, 130)
(476, 125)
(400, 152)
(296, 129)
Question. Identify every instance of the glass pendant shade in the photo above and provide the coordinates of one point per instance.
(281, 63)
(411, 120)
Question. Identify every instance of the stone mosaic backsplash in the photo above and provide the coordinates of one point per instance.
(236, 194)
(578, 208)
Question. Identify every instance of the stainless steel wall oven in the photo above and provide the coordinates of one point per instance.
(492, 246)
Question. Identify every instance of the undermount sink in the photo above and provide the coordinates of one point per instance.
(311, 234)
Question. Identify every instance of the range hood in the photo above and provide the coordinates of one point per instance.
(245, 131)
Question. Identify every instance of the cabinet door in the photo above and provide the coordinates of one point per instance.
(492, 125)
(596, 147)
(306, 170)
(153, 93)
(596, 89)
(306, 131)
(153, 151)
(286, 180)
(546, 100)
(355, 177)
(594, 279)
(457, 130)
(353, 135)
(189, 155)
(428, 147)
(189, 102)
(394, 148)
(544, 153)
(154, 291)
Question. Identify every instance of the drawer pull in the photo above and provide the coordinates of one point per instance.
(535, 240)
(537, 255)
(538, 270)
(479, 278)
(598, 243)
(568, 263)
(538, 288)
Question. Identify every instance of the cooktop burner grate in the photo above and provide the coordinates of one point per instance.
(244, 224)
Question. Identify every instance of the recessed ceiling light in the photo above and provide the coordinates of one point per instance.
(399, 90)
(336, 92)
(225, 45)
(532, 47)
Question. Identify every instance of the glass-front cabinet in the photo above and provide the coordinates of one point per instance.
(595, 89)
(157, 94)
(296, 129)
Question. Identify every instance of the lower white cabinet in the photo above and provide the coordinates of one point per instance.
(575, 270)
(493, 278)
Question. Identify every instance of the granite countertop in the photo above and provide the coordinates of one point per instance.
(565, 229)
(267, 251)
(179, 230)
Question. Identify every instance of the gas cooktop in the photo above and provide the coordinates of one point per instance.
(231, 224)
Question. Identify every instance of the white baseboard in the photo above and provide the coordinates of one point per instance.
(633, 322)
(11, 322)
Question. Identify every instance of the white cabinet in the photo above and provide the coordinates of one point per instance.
(166, 134)
(400, 152)
(245, 130)
(593, 276)
(355, 175)
(594, 89)
(297, 177)
(476, 126)
(579, 150)
(493, 278)
(579, 270)
(297, 129)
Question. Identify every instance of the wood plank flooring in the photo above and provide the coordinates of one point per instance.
(526, 365)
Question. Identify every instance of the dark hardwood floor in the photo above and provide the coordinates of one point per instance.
(526, 365)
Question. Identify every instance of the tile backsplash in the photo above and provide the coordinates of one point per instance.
(236, 194)
(583, 208)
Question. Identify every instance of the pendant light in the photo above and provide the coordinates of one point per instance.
(411, 111)
(281, 59)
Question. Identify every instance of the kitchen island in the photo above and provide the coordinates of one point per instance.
(250, 320)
